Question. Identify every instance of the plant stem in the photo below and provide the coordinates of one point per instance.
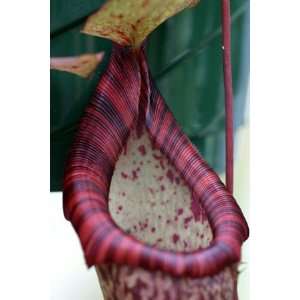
(226, 37)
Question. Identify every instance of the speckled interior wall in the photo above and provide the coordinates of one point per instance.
(150, 200)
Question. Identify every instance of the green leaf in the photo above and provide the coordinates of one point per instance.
(193, 87)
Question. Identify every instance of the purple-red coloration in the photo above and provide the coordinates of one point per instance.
(134, 175)
(180, 211)
(116, 106)
(170, 175)
(187, 220)
(196, 209)
(175, 238)
(124, 175)
(226, 37)
(142, 150)
(126, 98)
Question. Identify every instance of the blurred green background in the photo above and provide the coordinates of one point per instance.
(185, 57)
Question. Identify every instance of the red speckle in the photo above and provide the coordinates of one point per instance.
(133, 26)
(170, 176)
(187, 220)
(196, 209)
(116, 16)
(162, 164)
(185, 244)
(180, 211)
(168, 221)
(153, 229)
(124, 175)
(123, 194)
(160, 178)
(162, 187)
(176, 218)
(157, 157)
(122, 36)
(151, 190)
(177, 180)
(141, 227)
(175, 238)
(142, 150)
(120, 207)
(134, 175)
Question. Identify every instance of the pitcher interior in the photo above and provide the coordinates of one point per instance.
(150, 200)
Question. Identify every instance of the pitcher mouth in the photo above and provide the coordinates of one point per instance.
(125, 97)
(150, 200)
